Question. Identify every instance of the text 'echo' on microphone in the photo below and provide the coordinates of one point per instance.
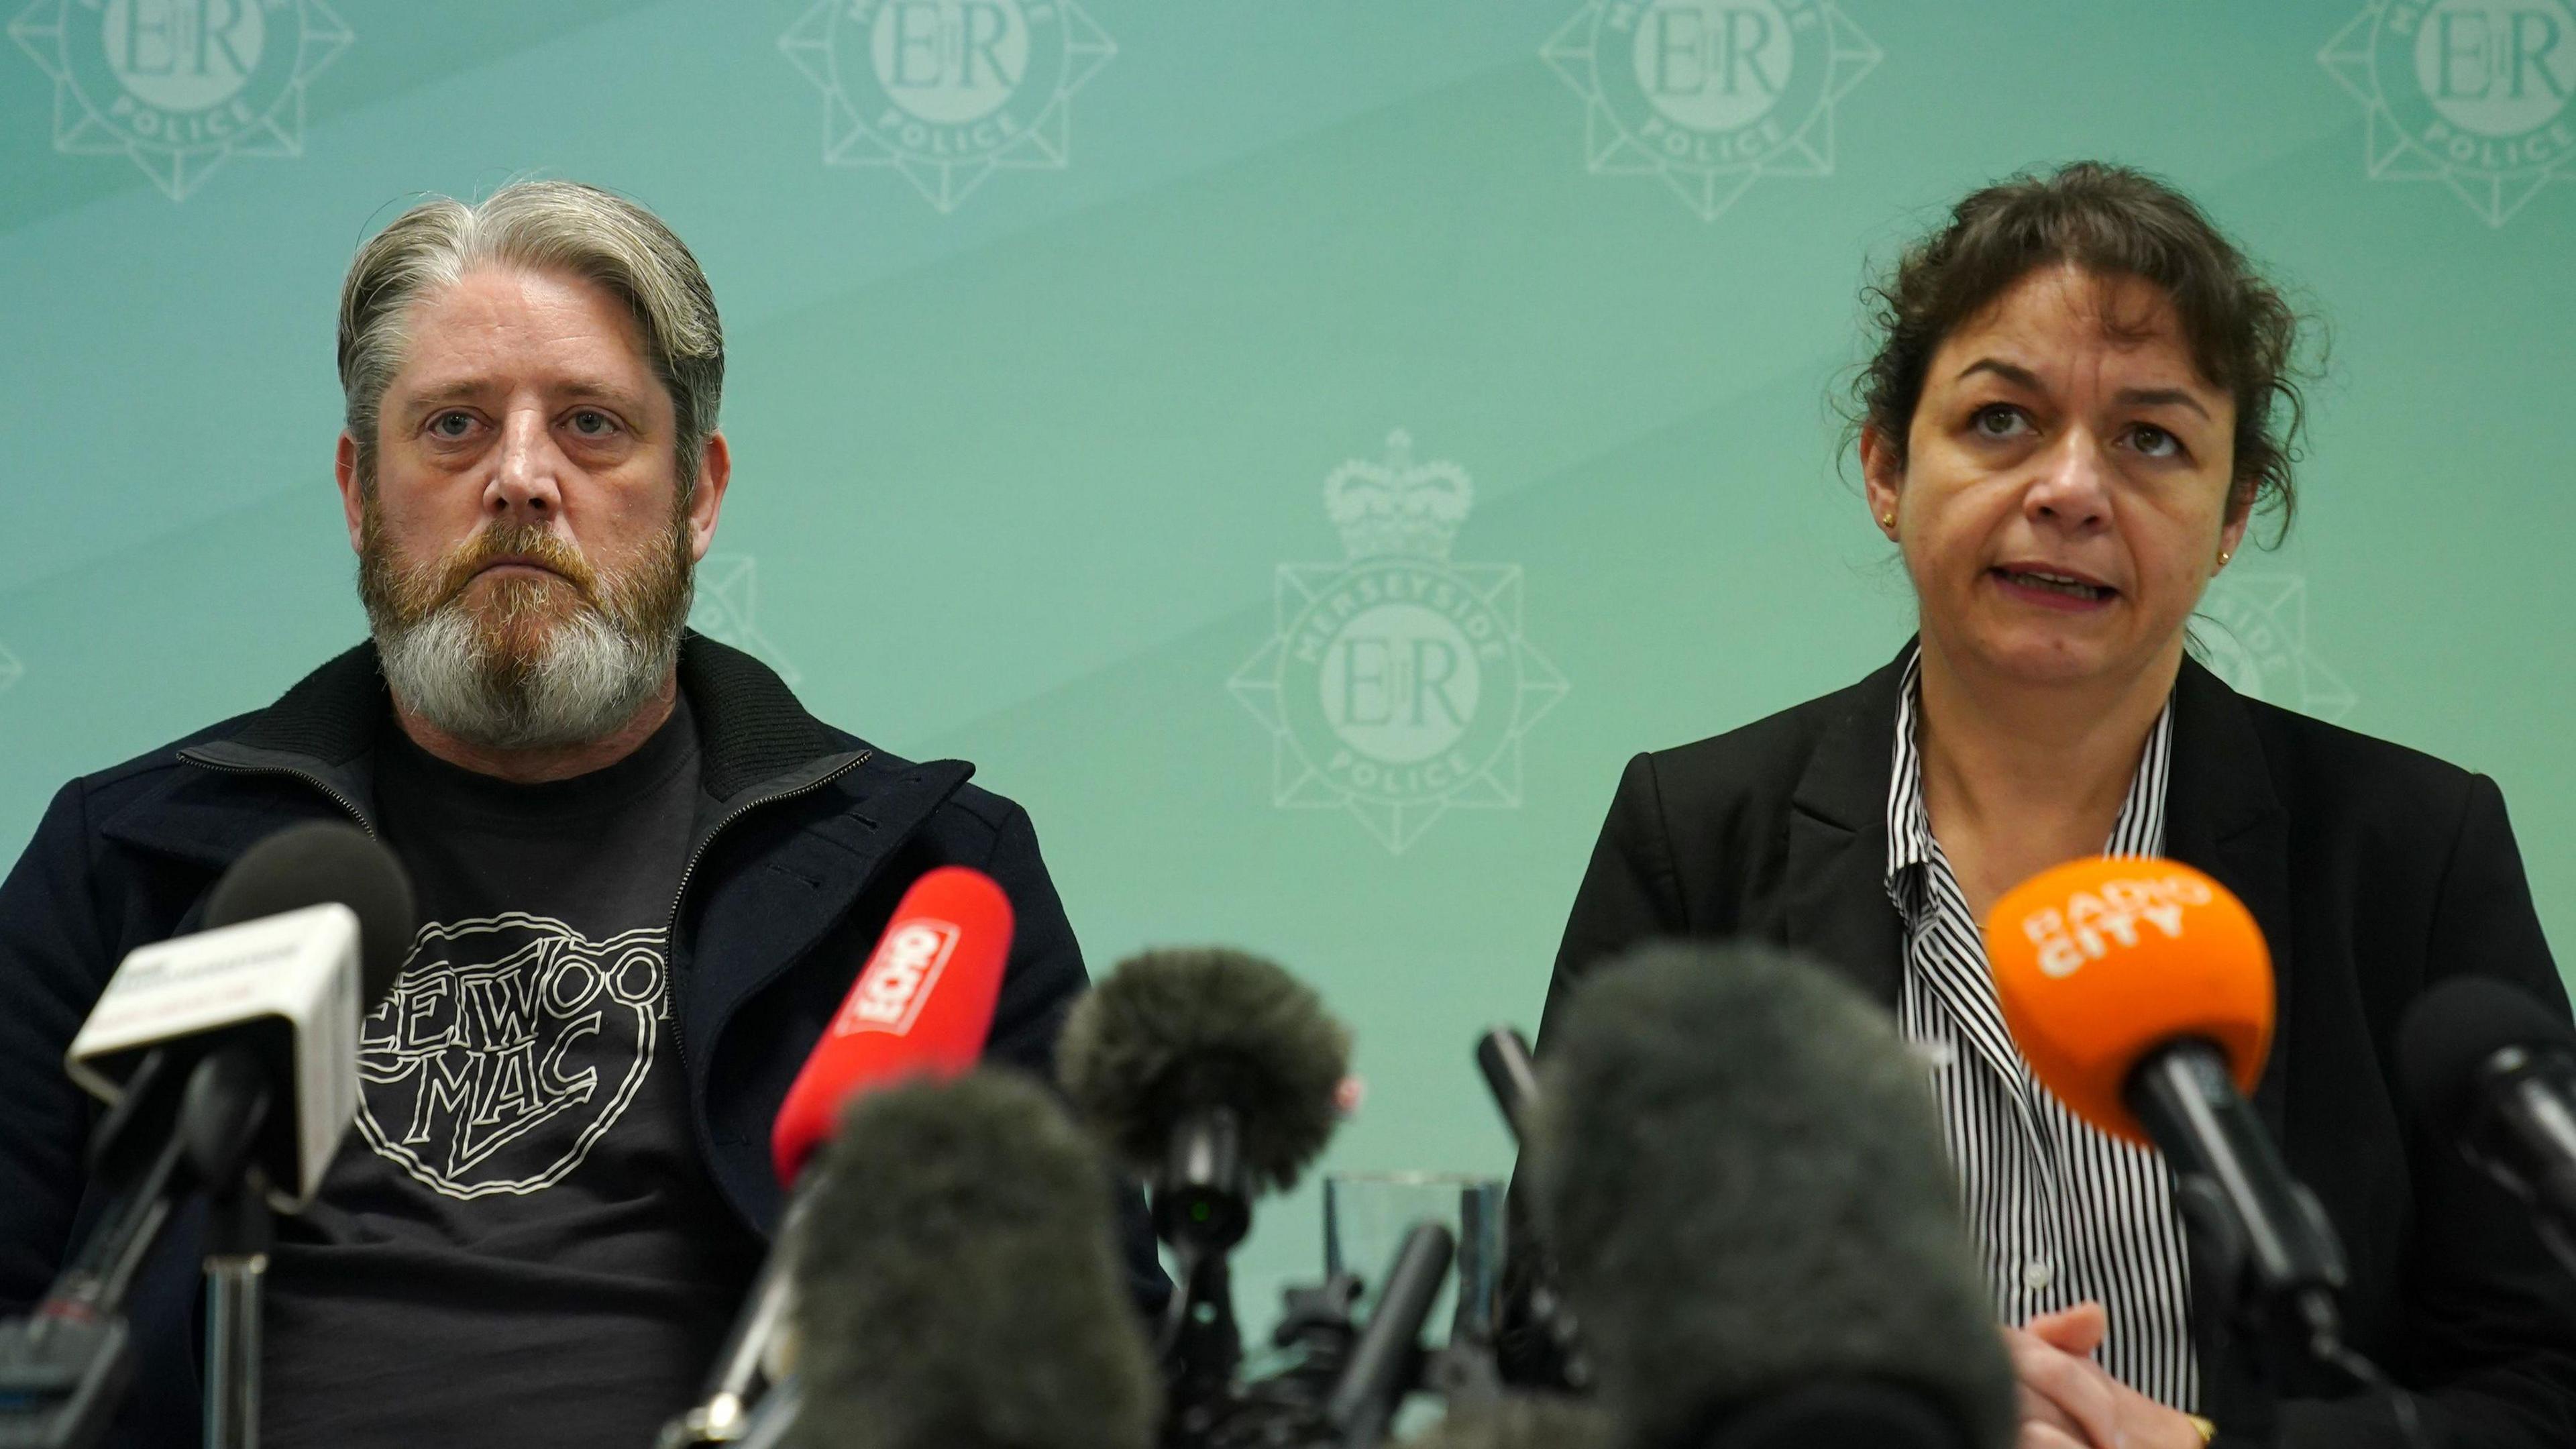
(920, 1007)
(923, 1003)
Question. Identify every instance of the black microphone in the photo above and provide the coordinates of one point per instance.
(326, 861)
(2491, 1068)
(1213, 1075)
(1740, 1171)
(1511, 1074)
(1537, 1341)
(957, 1282)
(1385, 1357)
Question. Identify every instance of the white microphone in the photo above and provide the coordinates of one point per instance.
(286, 986)
(229, 1059)
(304, 933)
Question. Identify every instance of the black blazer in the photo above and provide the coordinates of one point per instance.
(2374, 872)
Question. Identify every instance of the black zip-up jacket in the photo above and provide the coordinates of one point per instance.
(791, 877)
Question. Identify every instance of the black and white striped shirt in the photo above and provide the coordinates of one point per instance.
(2060, 1211)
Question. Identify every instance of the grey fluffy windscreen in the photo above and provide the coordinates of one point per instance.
(1521, 1421)
(1742, 1172)
(957, 1280)
(1177, 1029)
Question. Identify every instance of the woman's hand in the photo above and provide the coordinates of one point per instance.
(2070, 1402)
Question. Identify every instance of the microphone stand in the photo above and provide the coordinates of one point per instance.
(724, 1410)
(2229, 1329)
(1202, 1346)
(1533, 1337)
(227, 1105)
(1202, 1203)
(238, 1235)
(65, 1367)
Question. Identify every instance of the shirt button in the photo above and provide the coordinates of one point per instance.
(2036, 1275)
(1938, 1056)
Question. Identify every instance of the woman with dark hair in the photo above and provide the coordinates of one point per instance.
(2082, 396)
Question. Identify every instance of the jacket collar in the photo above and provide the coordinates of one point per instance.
(2222, 816)
(1837, 904)
(755, 739)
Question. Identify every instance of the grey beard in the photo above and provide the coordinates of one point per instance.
(592, 679)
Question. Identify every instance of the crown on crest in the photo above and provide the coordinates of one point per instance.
(1398, 506)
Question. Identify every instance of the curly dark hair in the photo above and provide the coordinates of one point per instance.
(2110, 221)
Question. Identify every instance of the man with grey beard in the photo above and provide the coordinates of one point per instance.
(646, 874)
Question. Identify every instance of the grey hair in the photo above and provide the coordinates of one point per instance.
(592, 678)
(545, 226)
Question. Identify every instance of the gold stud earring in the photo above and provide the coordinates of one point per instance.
(1887, 519)
(2223, 557)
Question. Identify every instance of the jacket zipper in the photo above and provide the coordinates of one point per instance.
(309, 778)
(688, 872)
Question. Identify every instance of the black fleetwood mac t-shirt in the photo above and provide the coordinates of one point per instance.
(519, 1243)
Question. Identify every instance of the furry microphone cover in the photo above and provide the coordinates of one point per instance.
(1178, 1030)
(1521, 1421)
(1742, 1175)
(958, 1284)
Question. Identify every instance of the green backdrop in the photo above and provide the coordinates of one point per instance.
(1050, 322)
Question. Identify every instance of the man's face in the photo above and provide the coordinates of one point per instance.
(526, 496)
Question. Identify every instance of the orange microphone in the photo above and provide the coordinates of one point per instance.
(2099, 962)
(2140, 992)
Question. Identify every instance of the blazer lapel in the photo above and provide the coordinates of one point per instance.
(2223, 817)
(1836, 904)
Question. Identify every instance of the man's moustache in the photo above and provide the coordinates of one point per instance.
(489, 550)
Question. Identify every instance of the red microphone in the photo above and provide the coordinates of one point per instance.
(922, 1006)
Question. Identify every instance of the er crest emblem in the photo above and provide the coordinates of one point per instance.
(2470, 93)
(1396, 684)
(948, 91)
(1710, 95)
(179, 85)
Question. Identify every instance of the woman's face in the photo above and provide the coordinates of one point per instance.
(2064, 497)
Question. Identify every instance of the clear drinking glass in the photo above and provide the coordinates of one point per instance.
(1367, 1214)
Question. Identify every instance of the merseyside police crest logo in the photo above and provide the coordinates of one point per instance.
(509, 1046)
(2260, 644)
(179, 85)
(724, 605)
(1396, 684)
(948, 91)
(1710, 95)
(2470, 93)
